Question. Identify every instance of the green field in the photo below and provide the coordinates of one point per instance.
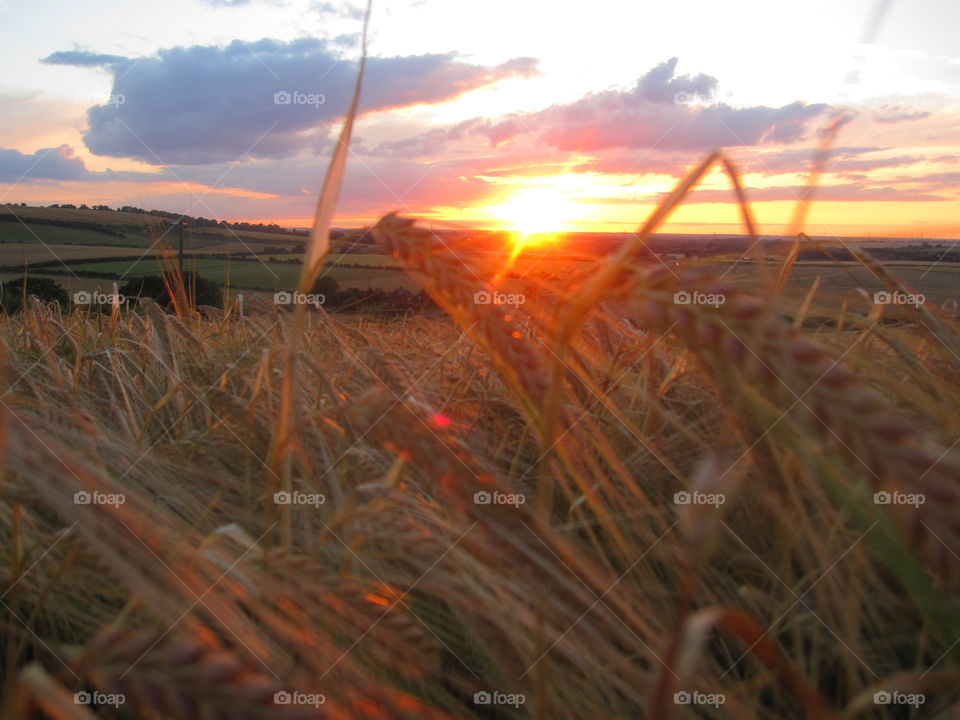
(363, 259)
(14, 232)
(210, 240)
(139, 229)
(839, 280)
(252, 274)
(34, 243)
(17, 253)
(118, 220)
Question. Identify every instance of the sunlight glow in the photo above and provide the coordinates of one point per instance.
(535, 215)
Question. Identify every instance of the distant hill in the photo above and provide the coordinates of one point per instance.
(137, 222)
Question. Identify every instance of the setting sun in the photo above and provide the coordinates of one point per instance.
(535, 215)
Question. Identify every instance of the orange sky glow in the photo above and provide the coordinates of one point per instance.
(519, 135)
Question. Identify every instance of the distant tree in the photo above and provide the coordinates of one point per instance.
(425, 302)
(69, 206)
(154, 287)
(45, 289)
(300, 247)
(329, 288)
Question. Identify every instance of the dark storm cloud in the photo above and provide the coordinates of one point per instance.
(201, 104)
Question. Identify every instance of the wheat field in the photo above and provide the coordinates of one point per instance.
(582, 581)
(528, 510)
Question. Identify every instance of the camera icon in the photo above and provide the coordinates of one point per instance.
(482, 298)
(882, 298)
(82, 297)
(282, 697)
(882, 698)
(882, 498)
(282, 298)
(482, 497)
(682, 498)
(682, 98)
(282, 98)
(282, 498)
(481, 698)
(681, 298)
(82, 698)
(82, 497)
(682, 698)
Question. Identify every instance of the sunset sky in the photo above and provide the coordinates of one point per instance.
(502, 114)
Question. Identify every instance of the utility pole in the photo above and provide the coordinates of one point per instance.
(180, 223)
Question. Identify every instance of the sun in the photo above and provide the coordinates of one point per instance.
(534, 215)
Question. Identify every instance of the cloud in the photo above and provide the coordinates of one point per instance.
(893, 114)
(58, 164)
(949, 181)
(853, 164)
(844, 159)
(663, 110)
(848, 192)
(84, 58)
(202, 104)
(46, 164)
(647, 162)
(341, 9)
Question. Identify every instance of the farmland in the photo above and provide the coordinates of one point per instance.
(92, 259)
(506, 454)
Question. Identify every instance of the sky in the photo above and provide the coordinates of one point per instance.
(529, 115)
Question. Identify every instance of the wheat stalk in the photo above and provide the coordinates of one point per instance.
(453, 284)
(744, 336)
